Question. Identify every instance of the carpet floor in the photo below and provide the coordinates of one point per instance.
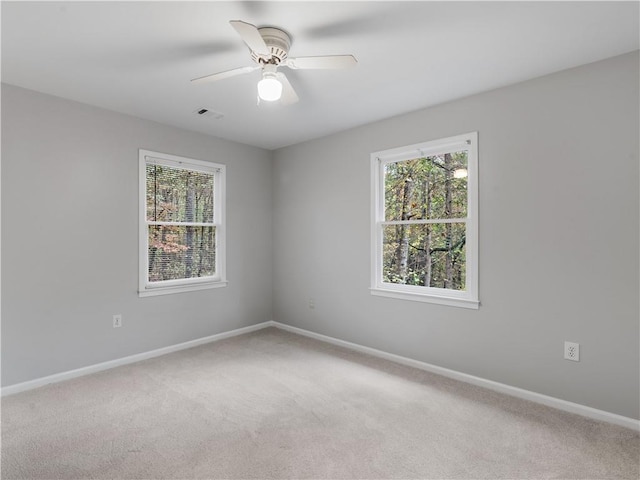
(274, 405)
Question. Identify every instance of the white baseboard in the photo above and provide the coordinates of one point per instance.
(79, 372)
(560, 404)
(577, 408)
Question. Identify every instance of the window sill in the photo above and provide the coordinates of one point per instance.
(152, 292)
(421, 297)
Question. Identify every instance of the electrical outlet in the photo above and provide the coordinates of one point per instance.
(312, 303)
(117, 321)
(572, 351)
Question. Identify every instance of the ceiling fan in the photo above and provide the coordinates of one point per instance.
(270, 50)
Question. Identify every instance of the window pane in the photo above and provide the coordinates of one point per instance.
(432, 255)
(179, 195)
(181, 252)
(426, 188)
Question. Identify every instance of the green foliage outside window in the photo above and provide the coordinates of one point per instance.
(429, 196)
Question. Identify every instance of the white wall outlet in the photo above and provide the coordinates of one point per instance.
(312, 303)
(572, 351)
(117, 321)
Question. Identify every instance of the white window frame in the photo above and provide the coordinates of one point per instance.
(219, 279)
(467, 298)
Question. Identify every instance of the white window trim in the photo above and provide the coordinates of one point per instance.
(147, 289)
(465, 299)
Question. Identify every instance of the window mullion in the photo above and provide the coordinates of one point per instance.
(182, 224)
(424, 221)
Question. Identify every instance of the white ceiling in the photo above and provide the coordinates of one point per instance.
(138, 57)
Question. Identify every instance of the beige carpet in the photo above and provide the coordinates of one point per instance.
(271, 404)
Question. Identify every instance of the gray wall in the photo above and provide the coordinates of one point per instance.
(558, 238)
(70, 238)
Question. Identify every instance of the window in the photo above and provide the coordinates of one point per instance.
(181, 224)
(424, 228)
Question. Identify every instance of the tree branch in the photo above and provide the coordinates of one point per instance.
(458, 245)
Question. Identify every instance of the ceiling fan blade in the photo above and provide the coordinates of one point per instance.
(289, 95)
(329, 61)
(222, 75)
(251, 37)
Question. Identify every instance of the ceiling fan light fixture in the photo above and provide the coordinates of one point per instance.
(269, 88)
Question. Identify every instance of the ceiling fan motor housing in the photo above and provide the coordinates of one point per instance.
(279, 43)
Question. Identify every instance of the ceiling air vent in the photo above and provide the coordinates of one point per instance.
(208, 113)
